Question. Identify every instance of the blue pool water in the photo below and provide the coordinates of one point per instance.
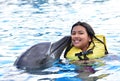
(24, 23)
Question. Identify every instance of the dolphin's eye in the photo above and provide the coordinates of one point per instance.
(41, 61)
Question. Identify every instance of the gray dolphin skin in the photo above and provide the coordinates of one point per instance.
(42, 55)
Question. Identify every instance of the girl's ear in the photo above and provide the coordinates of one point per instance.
(90, 39)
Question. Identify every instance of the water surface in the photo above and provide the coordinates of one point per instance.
(24, 23)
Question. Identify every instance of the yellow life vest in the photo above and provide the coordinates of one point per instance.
(98, 51)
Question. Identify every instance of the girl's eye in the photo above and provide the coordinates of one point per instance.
(73, 33)
(81, 33)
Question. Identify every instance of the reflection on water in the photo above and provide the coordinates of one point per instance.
(24, 23)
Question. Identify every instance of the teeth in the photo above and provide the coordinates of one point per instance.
(77, 41)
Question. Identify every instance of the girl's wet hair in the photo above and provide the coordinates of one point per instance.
(88, 28)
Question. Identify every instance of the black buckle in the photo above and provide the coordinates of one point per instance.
(84, 54)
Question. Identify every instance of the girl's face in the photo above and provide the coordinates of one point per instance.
(80, 38)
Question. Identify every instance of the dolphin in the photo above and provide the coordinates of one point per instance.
(42, 55)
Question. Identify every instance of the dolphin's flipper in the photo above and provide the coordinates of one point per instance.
(42, 55)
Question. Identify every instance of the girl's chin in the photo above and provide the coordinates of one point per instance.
(77, 46)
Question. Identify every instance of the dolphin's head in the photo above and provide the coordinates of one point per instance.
(34, 57)
(42, 55)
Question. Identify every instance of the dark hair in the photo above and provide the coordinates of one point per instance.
(90, 32)
(88, 28)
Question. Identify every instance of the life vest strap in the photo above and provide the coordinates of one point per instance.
(84, 54)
